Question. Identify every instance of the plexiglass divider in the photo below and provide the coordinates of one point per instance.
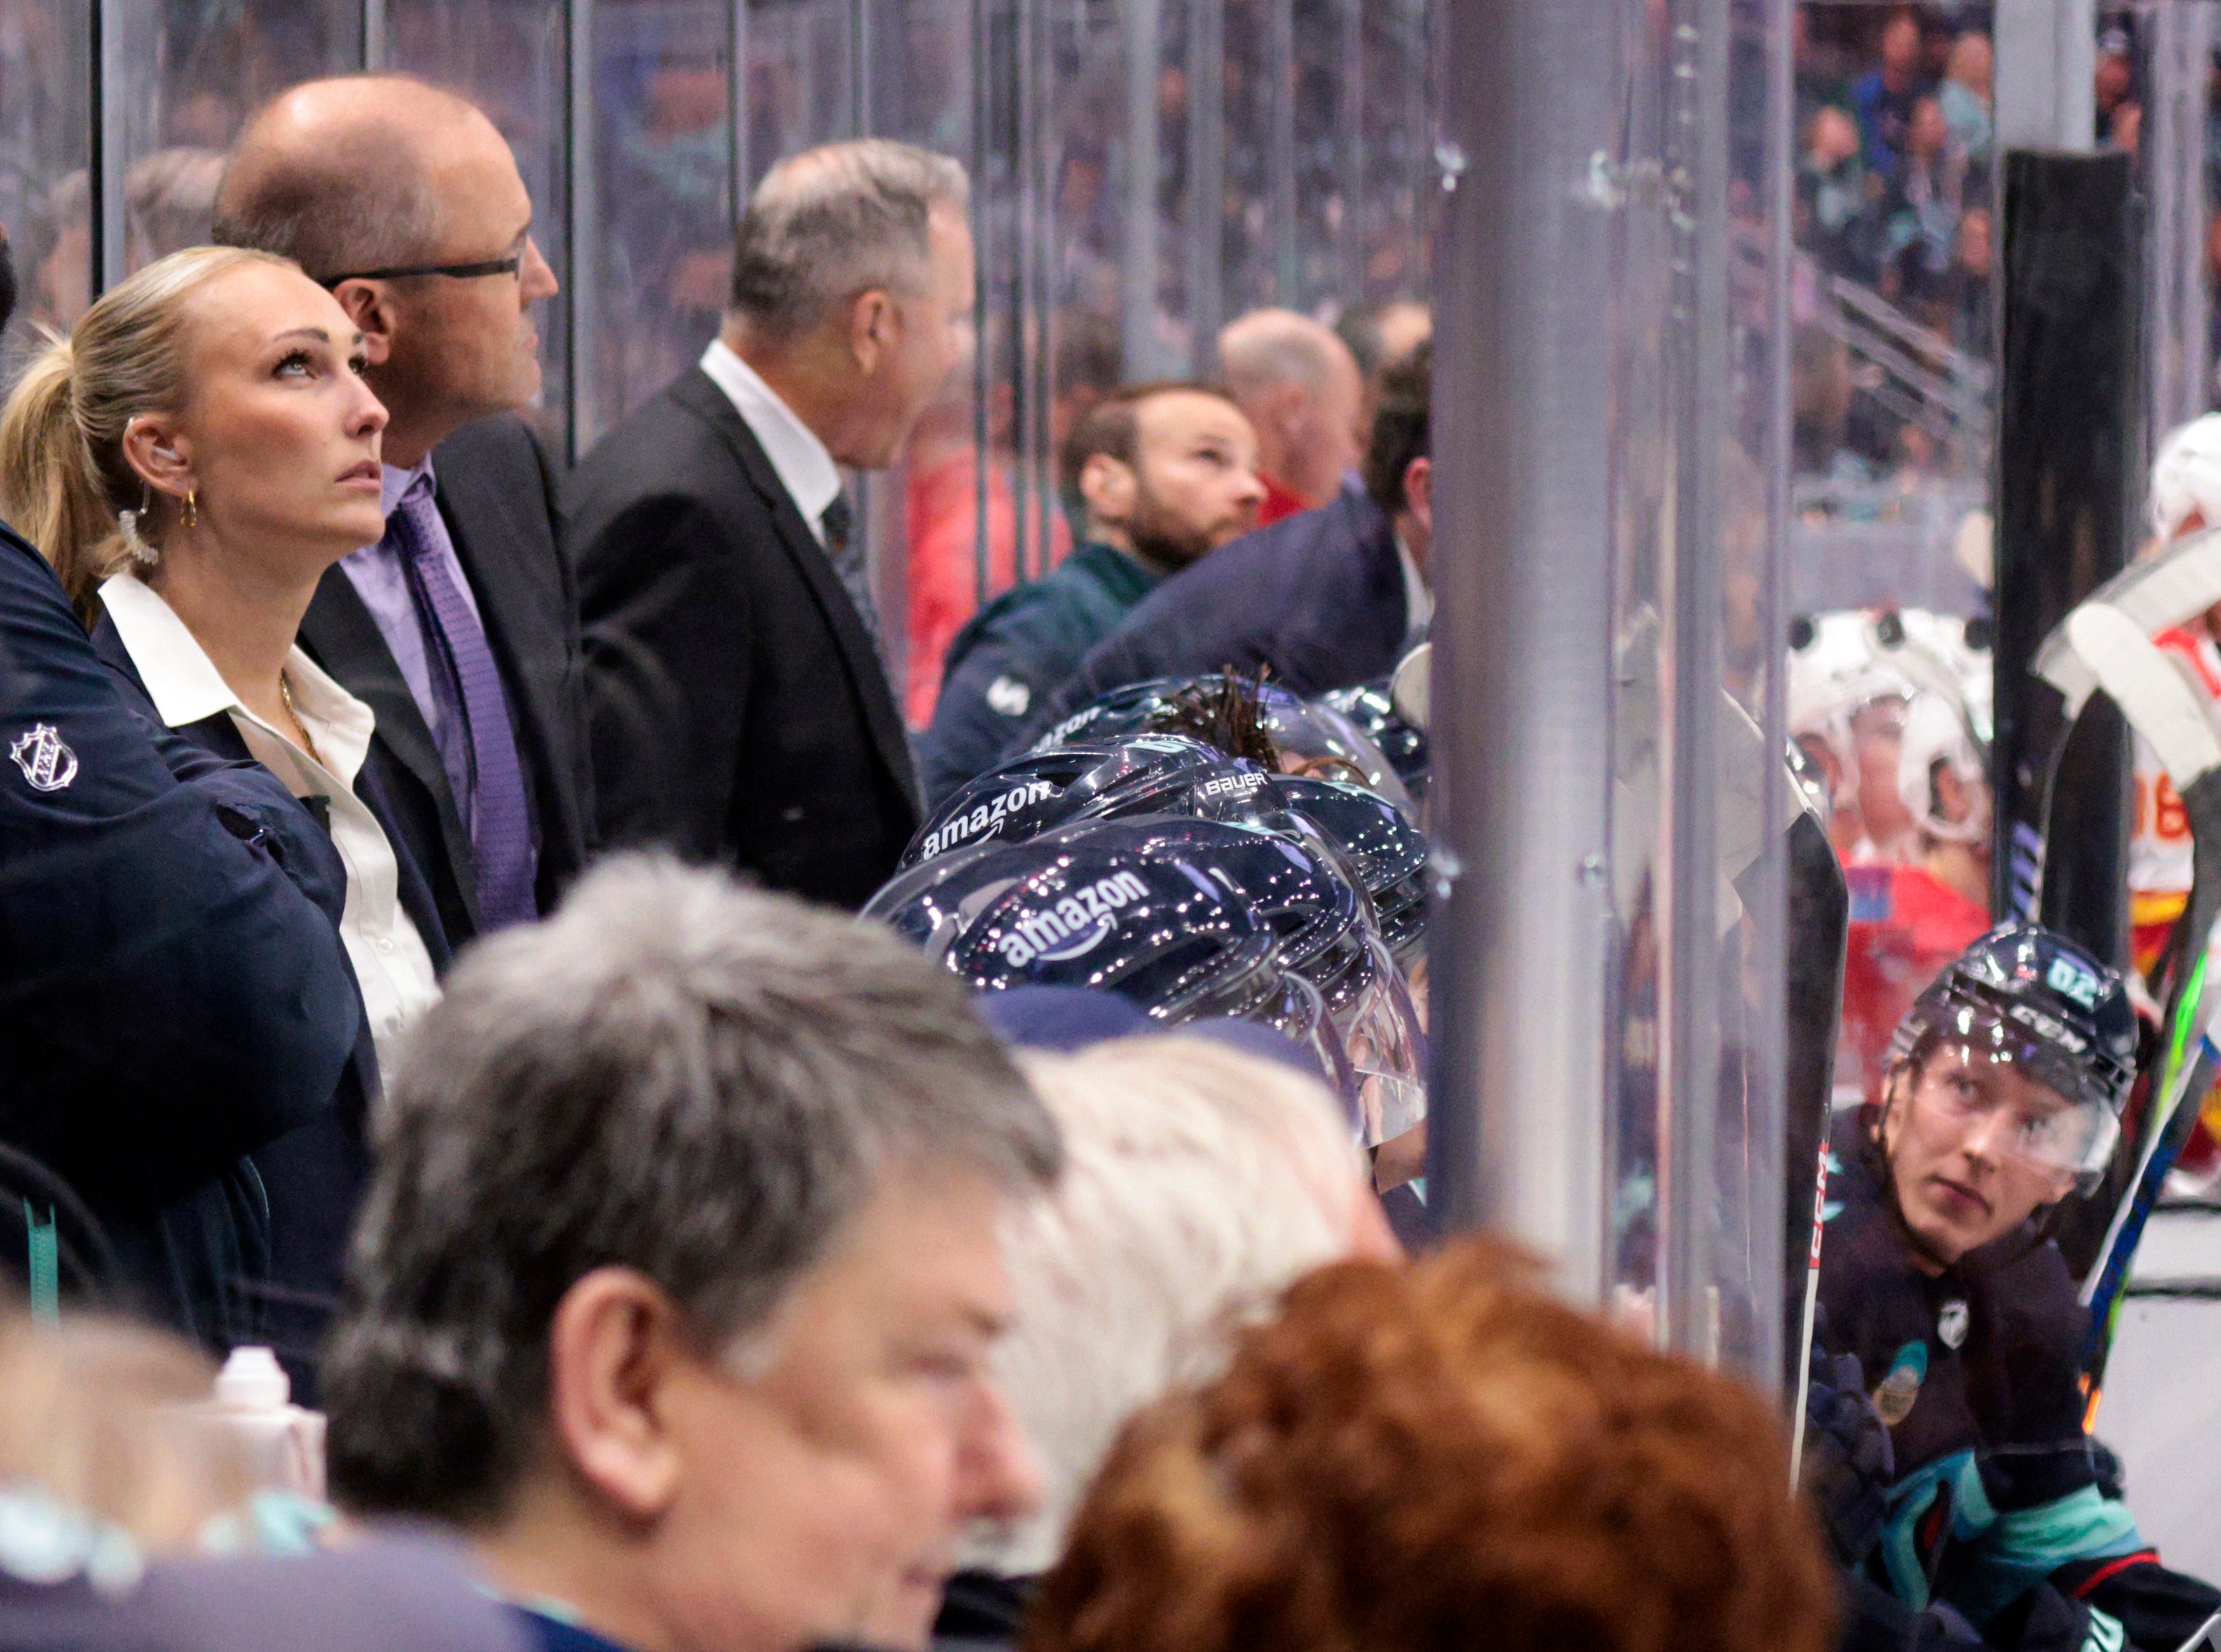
(1609, 1082)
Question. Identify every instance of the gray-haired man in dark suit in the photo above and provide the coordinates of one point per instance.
(740, 709)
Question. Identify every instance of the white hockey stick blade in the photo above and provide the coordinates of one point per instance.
(2136, 674)
(2155, 595)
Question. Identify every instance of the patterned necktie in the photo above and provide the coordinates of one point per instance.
(839, 522)
(468, 684)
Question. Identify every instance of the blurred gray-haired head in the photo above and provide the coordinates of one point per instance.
(1199, 1182)
(673, 1074)
(835, 220)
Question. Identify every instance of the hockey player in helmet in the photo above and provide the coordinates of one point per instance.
(1910, 918)
(2002, 1096)
(1847, 707)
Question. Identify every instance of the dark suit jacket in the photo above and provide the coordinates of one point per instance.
(739, 711)
(1319, 597)
(497, 495)
(169, 999)
(314, 1176)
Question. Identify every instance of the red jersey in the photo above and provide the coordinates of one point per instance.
(1905, 925)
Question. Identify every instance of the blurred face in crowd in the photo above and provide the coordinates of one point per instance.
(1973, 1149)
(812, 1482)
(1927, 134)
(1192, 485)
(1975, 247)
(1900, 48)
(1323, 441)
(279, 439)
(905, 345)
(1831, 138)
(447, 349)
(1877, 731)
(1972, 62)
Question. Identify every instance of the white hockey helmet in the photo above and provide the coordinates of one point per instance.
(1935, 734)
(2186, 477)
(1840, 669)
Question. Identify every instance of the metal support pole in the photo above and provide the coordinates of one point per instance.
(737, 158)
(982, 342)
(2178, 367)
(2047, 66)
(1280, 65)
(1523, 657)
(1686, 870)
(373, 35)
(105, 169)
(1349, 122)
(581, 267)
(1206, 180)
(1137, 324)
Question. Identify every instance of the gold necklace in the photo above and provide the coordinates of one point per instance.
(286, 693)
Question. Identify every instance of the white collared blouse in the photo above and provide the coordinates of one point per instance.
(391, 962)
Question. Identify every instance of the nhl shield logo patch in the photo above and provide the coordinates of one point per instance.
(46, 763)
(1951, 1324)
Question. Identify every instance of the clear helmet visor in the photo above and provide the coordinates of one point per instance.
(1317, 741)
(2022, 1098)
(1382, 1039)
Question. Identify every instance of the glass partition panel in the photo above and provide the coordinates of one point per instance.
(664, 166)
(512, 59)
(46, 148)
(180, 81)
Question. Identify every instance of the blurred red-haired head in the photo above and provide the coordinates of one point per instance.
(1439, 1455)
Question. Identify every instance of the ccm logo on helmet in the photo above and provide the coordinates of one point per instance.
(1072, 926)
(987, 819)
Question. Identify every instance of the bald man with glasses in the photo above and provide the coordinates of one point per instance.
(458, 627)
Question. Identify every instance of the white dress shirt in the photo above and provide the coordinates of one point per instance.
(1419, 598)
(390, 963)
(805, 469)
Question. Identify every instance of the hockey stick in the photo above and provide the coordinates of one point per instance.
(2120, 659)
(2204, 1637)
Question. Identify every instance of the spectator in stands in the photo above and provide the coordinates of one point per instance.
(168, 972)
(1966, 94)
(456, 623)
(741, 709)
(1971, 316)
(1169, 474)
(1924, 206)
(1406, 1459)
(1327, 599)
(1300, 389)
(1883, 97)
(1199, 1182)
(1838, 200)
(679, 1279)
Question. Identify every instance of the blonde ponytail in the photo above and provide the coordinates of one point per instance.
(50, 490)
(63, 475)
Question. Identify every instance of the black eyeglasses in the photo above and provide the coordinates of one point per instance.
(509, 266)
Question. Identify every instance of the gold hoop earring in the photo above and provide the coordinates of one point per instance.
(192, 508)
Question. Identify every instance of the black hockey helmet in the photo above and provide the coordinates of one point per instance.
(2023, 997)
(1402, 742)
(1324, 934)
(1379, 844)
(1315, 738)
(1099, 911)
(1094, 780)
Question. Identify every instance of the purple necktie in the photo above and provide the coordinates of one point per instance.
(473, 710)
